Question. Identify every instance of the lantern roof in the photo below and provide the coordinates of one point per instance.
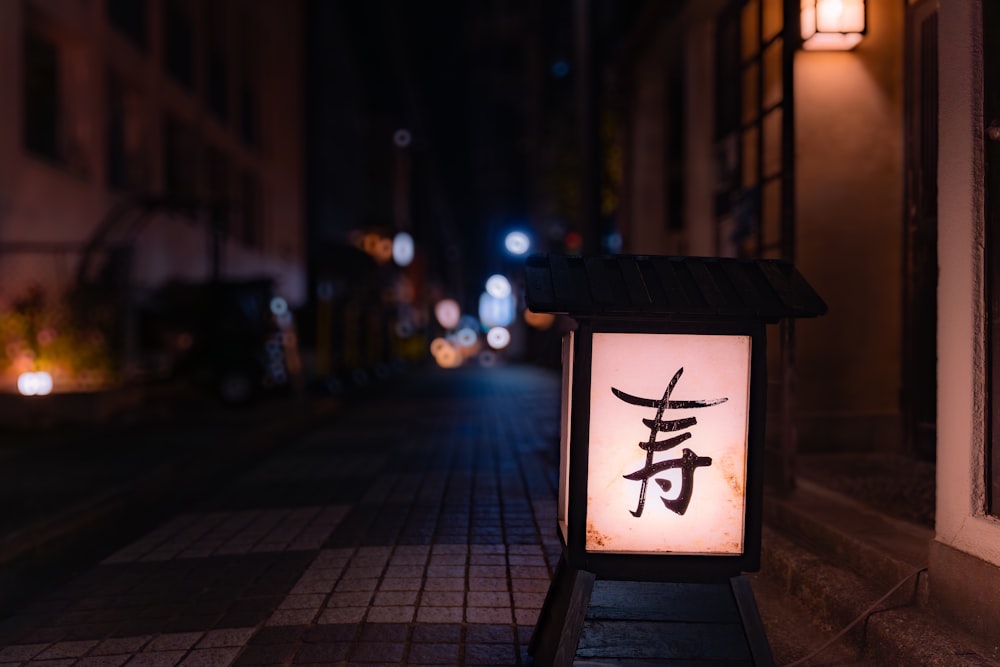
(630, 286)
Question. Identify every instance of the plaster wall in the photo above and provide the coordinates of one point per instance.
(961, 521)
(849, 210)
(647, 199)
(699, 168)
(965, 555)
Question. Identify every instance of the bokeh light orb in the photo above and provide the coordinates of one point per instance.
(279, 306)
(445, 354)
(466, 337)
(37, 383)
(447, 312)
(402, 249)
(498, 338)
(496, 311)
(498, 286)
(517, 243)
(402, 137)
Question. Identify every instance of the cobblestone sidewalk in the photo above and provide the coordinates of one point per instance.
(416, 530)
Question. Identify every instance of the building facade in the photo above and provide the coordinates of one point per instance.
(167, 131)
(869, 168)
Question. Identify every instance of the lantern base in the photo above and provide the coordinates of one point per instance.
(609, 619)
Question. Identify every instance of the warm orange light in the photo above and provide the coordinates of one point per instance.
(668, 443)
(538, 320)
(832, 25)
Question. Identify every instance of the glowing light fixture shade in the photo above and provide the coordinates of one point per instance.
(832, 25)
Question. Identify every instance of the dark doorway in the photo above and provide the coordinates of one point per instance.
(919, 393)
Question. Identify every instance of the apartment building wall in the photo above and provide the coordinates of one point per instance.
(110, 99)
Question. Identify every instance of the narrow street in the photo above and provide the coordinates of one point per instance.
(416, 528)
(413, 526)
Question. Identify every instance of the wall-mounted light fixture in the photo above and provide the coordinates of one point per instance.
(832, 25)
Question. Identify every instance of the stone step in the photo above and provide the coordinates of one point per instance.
(848, 564)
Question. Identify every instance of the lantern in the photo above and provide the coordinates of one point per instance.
(663, 410)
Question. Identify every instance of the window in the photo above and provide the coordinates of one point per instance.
(180, 160)
(251, 205)
(126, 153)
(218, 186)
(179, 42)
(675, 124)
(41, 97)
(130, 18)
(216, 65)
(249, 120)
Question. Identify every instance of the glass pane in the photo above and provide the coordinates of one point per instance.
(750, 172)
(772, 74)
(772, 143)
(770, 212)
(773, 20)
(751, 102)
(750, 22)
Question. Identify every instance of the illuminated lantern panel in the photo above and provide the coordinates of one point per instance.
(832, 25)
(668, 443)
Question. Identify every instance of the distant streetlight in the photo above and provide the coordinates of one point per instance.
(498, 286)
(517, 243)
(498, 337)
(34, 384)
(447, 313)
(402, 249)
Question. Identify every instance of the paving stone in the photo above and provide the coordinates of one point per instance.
(20, 652)
(434, 654)
(383, 652)
(103, 661)
(211, 657)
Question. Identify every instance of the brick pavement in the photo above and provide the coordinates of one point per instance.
(418, 529)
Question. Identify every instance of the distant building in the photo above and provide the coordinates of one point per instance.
(193, 107)
(870, 169)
